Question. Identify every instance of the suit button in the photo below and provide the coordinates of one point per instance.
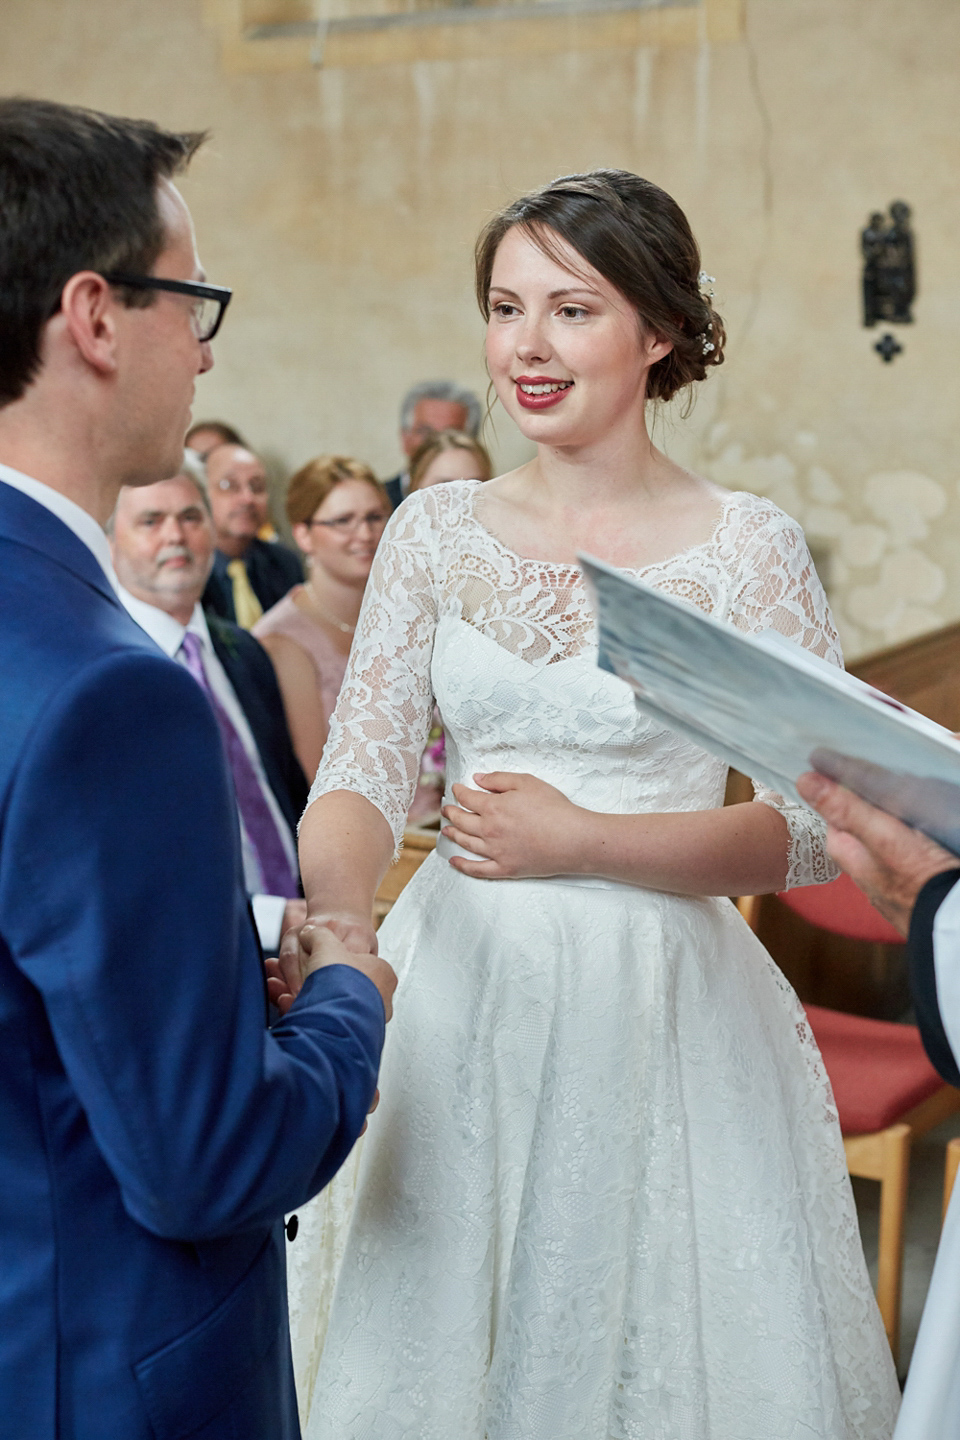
(292, 1226)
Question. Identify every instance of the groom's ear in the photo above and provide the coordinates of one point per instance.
(86, 324)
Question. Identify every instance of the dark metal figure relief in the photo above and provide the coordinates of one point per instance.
(889, 273)
(889, 276)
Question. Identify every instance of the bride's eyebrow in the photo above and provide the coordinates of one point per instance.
(553, 294)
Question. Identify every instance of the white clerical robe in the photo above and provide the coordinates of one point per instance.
(931, 1400)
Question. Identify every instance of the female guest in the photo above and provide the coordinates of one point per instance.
(448, 455)
(605, 1192)
(337, 508)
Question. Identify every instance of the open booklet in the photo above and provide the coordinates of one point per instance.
(772, 709)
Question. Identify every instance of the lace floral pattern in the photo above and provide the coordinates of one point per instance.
(604, 1196)
(438, 563)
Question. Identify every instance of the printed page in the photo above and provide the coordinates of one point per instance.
(771, 709)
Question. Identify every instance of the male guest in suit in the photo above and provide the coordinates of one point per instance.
(913, 882)
(162, 545)
(426, 409)
(153, 1132)
(249, 575)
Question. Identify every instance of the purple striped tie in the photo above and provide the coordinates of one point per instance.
(261, 828)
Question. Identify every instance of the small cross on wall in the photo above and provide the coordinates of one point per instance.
(888, 346)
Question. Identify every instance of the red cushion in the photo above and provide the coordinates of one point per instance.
(842, 909)
(878, 1070)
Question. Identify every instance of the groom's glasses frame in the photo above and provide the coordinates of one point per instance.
(211, 301)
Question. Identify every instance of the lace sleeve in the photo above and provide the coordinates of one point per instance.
(383, 713)
(779, 589)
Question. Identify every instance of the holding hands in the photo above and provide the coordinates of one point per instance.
(321, 940)
(518, 825)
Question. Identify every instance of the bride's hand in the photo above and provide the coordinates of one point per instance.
(300, 951)
(521, 826)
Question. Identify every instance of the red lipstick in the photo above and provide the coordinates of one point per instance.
(540, 392)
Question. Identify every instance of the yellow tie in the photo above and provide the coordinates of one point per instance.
(246, 605)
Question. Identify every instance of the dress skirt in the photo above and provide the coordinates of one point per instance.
(604, 1196)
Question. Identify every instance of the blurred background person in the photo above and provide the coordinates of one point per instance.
(206, 435)
(427, 408)
(161, 539)
(338, 509)
(448, 455)
(249, 574)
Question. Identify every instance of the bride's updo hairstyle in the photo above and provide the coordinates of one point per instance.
(639, 240)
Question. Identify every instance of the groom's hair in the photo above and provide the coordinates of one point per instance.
(78, 191)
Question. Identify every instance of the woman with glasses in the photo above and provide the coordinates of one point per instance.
(338, 509)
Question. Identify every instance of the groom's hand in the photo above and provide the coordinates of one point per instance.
(315, 946)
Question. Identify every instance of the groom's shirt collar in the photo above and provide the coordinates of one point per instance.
(80, 521)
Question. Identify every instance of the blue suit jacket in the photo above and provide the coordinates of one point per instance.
(152, 1131)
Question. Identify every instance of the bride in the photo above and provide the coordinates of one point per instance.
(604, 1194)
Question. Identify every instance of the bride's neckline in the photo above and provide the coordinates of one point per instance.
(571, 567)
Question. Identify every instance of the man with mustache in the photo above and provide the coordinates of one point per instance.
(162, 545)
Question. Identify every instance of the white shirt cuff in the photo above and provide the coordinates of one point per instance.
(268, 913)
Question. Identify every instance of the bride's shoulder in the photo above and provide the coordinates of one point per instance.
(432, 511)
(435, 516)
(449, 498)
(748, 520)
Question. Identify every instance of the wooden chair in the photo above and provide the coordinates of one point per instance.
(417, 845)
(884, 1086)
(950, 1172)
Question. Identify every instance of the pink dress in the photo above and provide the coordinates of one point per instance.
(286, 618)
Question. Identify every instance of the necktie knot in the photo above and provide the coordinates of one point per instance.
(192, 649)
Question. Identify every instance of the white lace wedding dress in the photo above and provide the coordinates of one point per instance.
(604, 1195)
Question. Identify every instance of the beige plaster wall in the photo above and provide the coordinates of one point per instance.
(341, 202)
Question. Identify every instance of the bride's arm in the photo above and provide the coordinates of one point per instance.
(526, 827)
(346, 846)
(366, 780)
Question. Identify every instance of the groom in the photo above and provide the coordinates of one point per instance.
(152, 1131)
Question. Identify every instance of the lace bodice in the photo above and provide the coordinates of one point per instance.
(506, 646)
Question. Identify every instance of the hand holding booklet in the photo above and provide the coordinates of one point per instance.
(773, 710)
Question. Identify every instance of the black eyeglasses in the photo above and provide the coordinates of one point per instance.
(210, 304)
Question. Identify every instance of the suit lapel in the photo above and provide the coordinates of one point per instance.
(26, 522)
